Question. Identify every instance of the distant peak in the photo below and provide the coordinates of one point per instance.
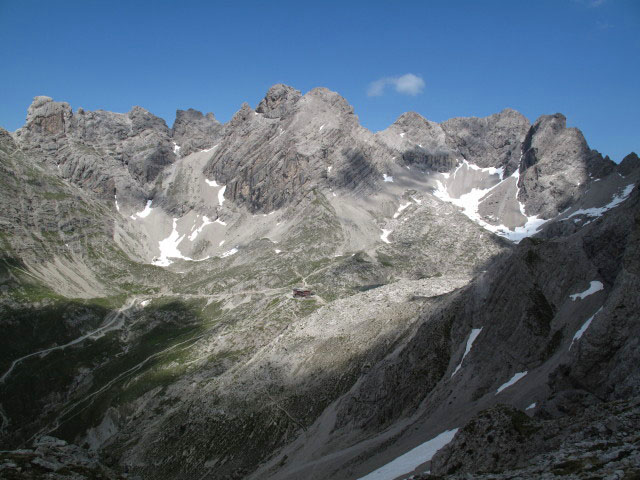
(40, 100)
(46, 116)
(329, 97)
(193, 115)
(278, 101)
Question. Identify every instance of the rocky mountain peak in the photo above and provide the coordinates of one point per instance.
(47, 117)
(142, 119)
(629, 163)
(278, 101)
(194, 131)
(336, 102)
(556, 165)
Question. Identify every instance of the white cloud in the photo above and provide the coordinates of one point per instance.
(407, 84)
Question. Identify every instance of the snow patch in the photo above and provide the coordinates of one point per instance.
(176, 148)
(211, 183)
(387, 178)
(594, 287)
(533, 405)
(321, 127)
(224, 224)
(221, 194)
(221, 243)
(205, 222)
(209, 149)
(470, 204)
(472, 338)
(400, 209)
(228, 253)
(329, 168)
(145, 303)
(169, 247)
(116, 199)
(599, 211)
(402, 134)
(143, 213)
(385, 235)
(412, 459)
(514, 379)
(490, 170)
(583, 328)
(277, 251)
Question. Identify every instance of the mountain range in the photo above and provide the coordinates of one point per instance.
(473, 310)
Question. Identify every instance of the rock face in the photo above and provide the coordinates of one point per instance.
(278, 101)
(493, 141)
(101, 151)
(422, 143)
(503, 442)
(629, 164)
(52, 457)
(557, 164)
(276, 155)
(193, 131)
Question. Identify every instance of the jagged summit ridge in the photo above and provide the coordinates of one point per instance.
(292, 143)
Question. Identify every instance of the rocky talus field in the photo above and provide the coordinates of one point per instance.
(473, 309)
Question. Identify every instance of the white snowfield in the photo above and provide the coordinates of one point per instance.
(472, 338)
(169, 247)
(211, 183)
(594, 287)
(385, 235)
(221, 195)
(514, 379)
(470, 204)
(143, 213)
(583, 328)
(412, 459)
(387, 178)
(599, 211)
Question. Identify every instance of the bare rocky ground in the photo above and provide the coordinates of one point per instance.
(146, 303)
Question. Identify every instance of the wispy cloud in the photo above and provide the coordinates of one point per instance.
(591, 3)
(407, 84)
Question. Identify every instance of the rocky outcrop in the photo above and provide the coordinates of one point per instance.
(193, 131)
(629, 164)
(557, 164)
(277, 154)
(103, 152)
(420, 143)
(278, 101)
(53, 458)
(503, 442)
(493, 141)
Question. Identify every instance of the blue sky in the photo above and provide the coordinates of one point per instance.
(578, 57)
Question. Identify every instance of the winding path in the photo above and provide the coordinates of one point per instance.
(111, 319)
